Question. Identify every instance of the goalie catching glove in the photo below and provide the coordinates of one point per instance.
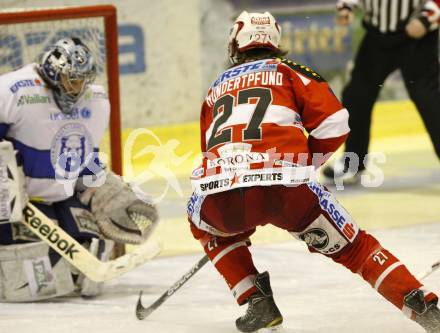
(122, 215)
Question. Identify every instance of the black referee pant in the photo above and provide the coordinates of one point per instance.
(377, 57)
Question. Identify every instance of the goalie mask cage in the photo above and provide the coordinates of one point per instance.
(25, 34)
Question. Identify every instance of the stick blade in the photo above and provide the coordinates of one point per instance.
(139, 307)
(141, 312)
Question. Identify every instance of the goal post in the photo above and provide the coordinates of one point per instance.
(25, 34)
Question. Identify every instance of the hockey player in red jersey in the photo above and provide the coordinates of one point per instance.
(258, 168)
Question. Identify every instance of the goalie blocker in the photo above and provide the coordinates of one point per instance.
(13, 196)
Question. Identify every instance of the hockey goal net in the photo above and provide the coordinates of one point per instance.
(25, 34)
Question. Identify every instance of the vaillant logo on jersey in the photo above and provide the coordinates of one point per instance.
(257, 66)
(25, 83)
(34, 99)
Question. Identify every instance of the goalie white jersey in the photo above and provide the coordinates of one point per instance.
(55, 147)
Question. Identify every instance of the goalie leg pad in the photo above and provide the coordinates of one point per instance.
(101, 249)
(27, 274)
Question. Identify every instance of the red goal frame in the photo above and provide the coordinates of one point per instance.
(108, 13)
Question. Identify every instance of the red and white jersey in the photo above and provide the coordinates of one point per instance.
(266, 114)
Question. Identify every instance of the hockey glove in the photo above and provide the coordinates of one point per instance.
(426, 20)
(344, 11)
(121, 215)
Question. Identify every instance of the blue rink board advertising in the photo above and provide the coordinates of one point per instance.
(313, 39)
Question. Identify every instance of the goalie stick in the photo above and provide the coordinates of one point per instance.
(142, 313)
(78, 256)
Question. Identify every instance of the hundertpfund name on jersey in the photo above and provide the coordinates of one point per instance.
(243, 82)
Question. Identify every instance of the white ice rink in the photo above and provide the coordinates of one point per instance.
(313, 293)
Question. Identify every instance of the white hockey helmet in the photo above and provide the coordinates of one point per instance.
(68, 67)
(253, 30)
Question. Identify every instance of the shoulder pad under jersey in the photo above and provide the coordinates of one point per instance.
(306, 71)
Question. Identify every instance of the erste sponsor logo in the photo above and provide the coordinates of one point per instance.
(262, 65)
(335, 211)
(25, 83)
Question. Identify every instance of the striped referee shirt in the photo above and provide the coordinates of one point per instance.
(387, 16)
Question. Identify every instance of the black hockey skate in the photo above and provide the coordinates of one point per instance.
(427, 314)
(262, 311)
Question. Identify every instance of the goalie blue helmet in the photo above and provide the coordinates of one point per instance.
(68, 67)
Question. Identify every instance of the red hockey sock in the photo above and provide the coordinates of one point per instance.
(233, 260)
(381, 269)
(388, 276)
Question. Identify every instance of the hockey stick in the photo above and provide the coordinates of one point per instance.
(77, 255)
(142, 313)
(435, 266)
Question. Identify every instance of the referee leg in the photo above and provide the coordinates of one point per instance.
(373, 64)
(420, 71)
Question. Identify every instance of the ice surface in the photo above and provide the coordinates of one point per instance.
(314, 294)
